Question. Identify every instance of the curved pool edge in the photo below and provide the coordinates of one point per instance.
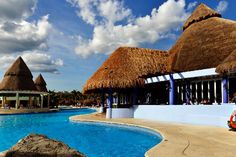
(147, 153)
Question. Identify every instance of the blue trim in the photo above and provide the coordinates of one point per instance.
(172, 90)
(225, 89)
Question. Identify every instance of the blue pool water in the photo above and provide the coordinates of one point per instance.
(93, 139)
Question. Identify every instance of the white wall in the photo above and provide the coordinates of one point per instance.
(121, 113)
(213, 115)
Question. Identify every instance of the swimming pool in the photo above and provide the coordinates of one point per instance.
(93, 139)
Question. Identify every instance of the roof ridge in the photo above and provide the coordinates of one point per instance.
(202, 12)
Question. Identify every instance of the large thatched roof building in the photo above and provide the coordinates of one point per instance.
(18, 90)
(228, 65)
(207, 44)
(125, 66)
(206, 37)
(186, 72)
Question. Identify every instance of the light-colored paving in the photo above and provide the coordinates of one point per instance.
(180, 140)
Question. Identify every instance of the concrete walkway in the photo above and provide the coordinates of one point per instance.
(180, 140)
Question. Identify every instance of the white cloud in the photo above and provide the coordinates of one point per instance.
(6, 60)
(191, 5)
(22, 36)
(113, 11)
(86, 7)
(16, 10)
(107, 35)
(109, 11)
(28, 39)
(41, 62)
(222, 6)
(36, 61)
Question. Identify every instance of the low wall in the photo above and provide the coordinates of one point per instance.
(121, 113)
(213, 115)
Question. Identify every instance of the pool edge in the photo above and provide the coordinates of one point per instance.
(76, 119)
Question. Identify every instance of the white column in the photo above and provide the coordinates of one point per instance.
(191, 90)
(3, 103)
(178, 90)
(17, 100)
(208, 89)
(182, 93)
(214, 90)
(202, 90)
(41, 101)
(196, 95)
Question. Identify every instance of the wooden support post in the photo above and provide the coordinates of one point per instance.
(41, 105)
(30, 102)
(17, 101)
(48, 100)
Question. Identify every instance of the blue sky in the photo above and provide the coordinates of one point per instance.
(67, 40)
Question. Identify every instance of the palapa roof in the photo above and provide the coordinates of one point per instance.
(228, 65)
(202, 12)
(125, 66)
(40, 84)
(18, 78)
(206, 41)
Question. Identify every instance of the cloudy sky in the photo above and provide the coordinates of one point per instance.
(67, 40)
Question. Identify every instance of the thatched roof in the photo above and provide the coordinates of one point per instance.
(228, 65)
(125, 66)
(40, 84)
(202, 12)
(205, 43)
(18, 77)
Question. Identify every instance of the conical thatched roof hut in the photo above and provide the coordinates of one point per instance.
(125, 66)
(228, 65)
(206, 41)
(40, 84)
(18, 78)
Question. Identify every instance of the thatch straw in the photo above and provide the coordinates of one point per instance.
(18, 77)
(202, 12)
(40, 84)
(228, 65)
(125, 66)
(204, 44)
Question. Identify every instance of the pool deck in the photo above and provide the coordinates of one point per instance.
(179, 139)
(22, 111)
